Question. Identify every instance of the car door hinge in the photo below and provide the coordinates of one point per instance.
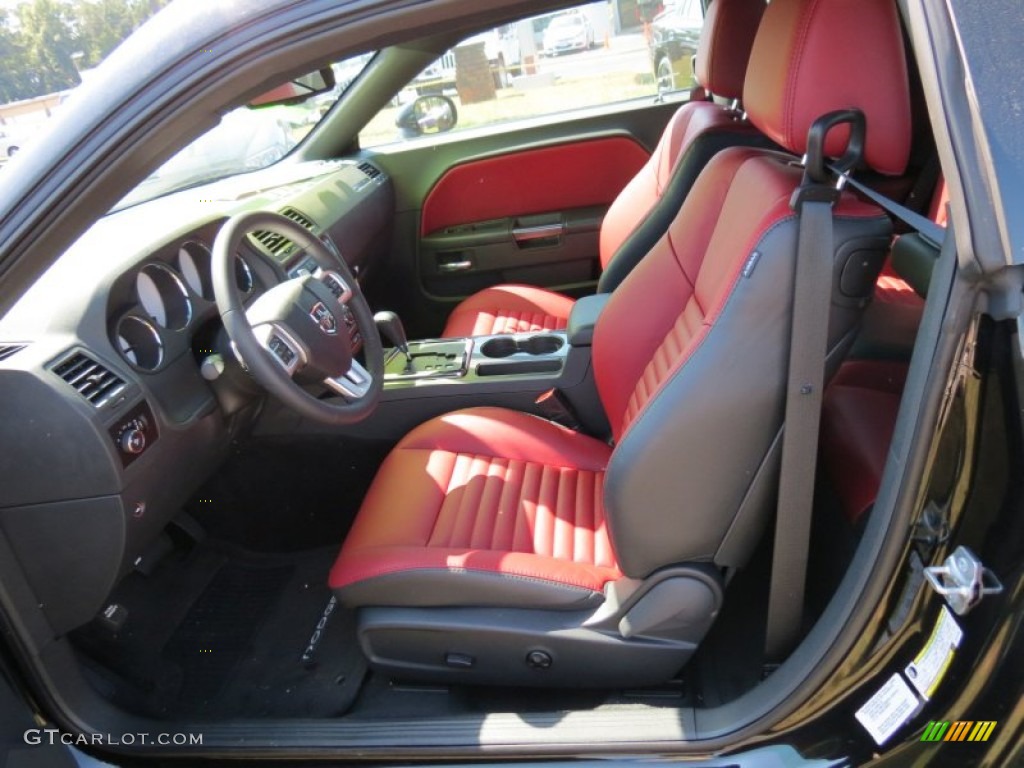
(963, 580)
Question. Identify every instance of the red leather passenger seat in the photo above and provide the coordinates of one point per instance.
(496, 546)
(633, 221)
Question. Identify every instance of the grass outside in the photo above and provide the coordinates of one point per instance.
(564, 95)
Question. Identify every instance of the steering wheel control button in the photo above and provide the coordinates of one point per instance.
(336, 286)
(539, 660)
(352, 327)
(459, 660)
(284, 353)
(323, 317)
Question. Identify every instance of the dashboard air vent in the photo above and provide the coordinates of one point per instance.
(370, 170)
(7, 350)
(299, 217)
(279, 244)
(273, 242)
(90, 379)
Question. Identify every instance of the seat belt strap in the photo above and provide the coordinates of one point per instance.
(812, 296)
(927, 228)
(808, 347)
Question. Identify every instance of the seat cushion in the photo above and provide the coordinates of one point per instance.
(857, 422)
(485, 507)
(509, 309)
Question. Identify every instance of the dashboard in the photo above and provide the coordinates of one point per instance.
(114, 413)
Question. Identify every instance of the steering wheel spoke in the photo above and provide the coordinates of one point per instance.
(354, 384)
(283, 346)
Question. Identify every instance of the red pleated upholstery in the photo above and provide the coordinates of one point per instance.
(486, 490)
(509, 309)
(688, 327)
(522, 506)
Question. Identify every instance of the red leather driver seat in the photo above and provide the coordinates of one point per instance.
(642, 211)
(497, 547)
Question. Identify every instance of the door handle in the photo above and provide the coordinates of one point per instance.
(539, 232)
(454, 266)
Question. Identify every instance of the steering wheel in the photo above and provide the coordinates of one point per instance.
(306, 330)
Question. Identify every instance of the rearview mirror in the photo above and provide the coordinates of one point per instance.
(427, 115)
(297, 91)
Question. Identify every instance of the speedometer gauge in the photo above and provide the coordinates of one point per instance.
(164, 297)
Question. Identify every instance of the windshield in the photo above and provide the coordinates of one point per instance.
(48, 49)
(245, 139)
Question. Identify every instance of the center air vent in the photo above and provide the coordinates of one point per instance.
(7, 350)
(277, 244)
(90, 379)
(299, 217)
(370, 170)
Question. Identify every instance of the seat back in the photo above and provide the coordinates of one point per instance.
(696, 132)
(691, 352)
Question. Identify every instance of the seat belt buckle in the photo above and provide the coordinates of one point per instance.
(556, 407)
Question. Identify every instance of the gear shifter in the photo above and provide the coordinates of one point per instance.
(390, 326)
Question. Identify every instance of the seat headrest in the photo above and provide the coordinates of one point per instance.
(724, 46)
(816, 56)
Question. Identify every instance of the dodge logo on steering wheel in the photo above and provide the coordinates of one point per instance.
(322, 316)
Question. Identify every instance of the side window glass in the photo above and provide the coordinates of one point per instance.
(592, 55)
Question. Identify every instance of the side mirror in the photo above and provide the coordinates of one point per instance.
(427, 115)
(297, 91)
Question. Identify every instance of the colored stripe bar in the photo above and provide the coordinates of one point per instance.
(934, 731)
(982, 730)
(959, 730)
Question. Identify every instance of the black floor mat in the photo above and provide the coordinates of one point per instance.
(219, 628)
(218, 633)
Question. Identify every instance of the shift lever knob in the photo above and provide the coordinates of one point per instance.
(390, 326)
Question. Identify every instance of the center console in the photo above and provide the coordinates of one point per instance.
(427, 378)
(476, 359)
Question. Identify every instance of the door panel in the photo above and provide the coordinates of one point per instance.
(530, 181)
(530, 216)
(521, 205)
(539, 249)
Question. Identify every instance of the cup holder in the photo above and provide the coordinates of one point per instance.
(504, 346)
